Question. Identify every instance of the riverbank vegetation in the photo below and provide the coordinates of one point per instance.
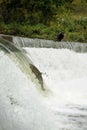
(44, 18)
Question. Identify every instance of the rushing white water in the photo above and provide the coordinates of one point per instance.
(64, 107)
(21, 105)
(42, 43)
(65, 73)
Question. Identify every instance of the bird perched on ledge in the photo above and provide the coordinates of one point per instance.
(60, 36)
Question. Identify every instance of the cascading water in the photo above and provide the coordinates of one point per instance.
(28, 42)
(25, 63)
(20, 106)
(23, 107)
(65, 72)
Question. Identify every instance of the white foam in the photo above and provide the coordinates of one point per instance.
(22, 107)
(65, 72)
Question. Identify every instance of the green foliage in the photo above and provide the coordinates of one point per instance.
(44, 18)
(30, 11)
(62, 2)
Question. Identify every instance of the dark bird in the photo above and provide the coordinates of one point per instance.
(60, 36)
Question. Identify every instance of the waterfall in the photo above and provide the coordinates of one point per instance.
(23, 61)
(41, 43)
(23, 70)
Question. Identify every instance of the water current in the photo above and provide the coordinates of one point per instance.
(24, 105)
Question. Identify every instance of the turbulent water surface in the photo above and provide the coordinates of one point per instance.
(63, 104)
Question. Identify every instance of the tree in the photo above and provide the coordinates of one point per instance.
(32, 11)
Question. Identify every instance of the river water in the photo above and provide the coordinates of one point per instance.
(62, 106)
